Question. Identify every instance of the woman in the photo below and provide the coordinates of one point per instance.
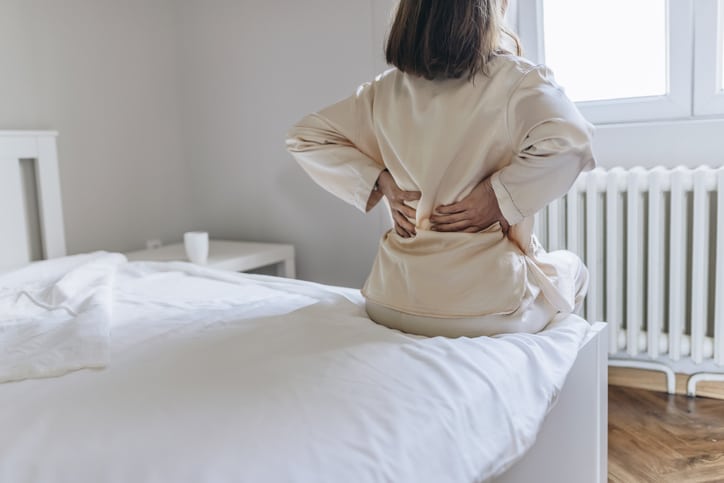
(466, 141)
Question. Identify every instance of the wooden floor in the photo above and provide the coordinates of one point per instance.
(654, 437)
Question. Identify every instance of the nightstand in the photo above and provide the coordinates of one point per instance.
(228, 255)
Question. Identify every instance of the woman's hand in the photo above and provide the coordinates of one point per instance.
(403, 215)
(474, 213)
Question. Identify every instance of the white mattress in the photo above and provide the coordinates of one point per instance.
(220, 377)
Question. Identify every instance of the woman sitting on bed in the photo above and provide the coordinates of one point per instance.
(466, 141)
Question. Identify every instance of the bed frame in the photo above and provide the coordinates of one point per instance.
(31, 214)
(572, 445)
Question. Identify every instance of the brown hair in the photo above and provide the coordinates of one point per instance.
(447, 38)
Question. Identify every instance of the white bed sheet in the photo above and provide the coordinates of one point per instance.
(221, 377)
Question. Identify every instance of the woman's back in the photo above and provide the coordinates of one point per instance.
(466, 127)
(442, 137)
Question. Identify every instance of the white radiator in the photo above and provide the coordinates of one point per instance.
(653, 241)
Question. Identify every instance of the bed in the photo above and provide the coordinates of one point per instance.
(170, 372)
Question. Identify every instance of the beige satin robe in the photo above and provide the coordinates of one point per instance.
(442, 138)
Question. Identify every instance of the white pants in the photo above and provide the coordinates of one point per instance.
(533, 319)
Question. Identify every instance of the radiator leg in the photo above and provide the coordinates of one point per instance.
(701, 376)
(649, 366)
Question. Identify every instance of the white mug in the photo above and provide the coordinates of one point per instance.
(196, 244)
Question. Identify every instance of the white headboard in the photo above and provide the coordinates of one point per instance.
(31, 213)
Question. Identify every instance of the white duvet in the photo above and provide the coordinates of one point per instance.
(209, 376)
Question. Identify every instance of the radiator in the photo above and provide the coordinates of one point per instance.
(653, 241)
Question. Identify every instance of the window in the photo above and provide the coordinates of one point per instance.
(721, 45)
(623, 60)
(588, 60)
(709, 65)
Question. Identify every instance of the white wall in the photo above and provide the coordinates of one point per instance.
(668, 143)
(173, 114)
(104, 74)
(250, 70)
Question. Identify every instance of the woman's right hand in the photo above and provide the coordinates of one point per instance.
(402, 215)
(476, 212)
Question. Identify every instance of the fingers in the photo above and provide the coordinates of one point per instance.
(389, 188)
(468, 226)
(407, 211)
(402, 214)
(453, 208)
(464, 225)
(398, 204)
(504, 226)
(410, 195)
(403, 222)
(401, 231)
(436, 219)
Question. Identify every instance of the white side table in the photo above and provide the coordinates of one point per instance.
(228, 255)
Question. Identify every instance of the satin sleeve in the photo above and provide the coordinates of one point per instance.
(551, 144)
(338, 149)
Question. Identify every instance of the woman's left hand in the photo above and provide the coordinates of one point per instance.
(403, 215)
(474, 213)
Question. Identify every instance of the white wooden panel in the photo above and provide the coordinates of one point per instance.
(572, 222)
(593, 247)
(39, 146)
(538, 226)
(677, 264)
(28, 174)
(719, 309)
(555, 225)
(581, 410)
(655, 297)
(614, 283)
(50, 201)
(542, 227)
(699, 265)
(634, 263)
(17, 147)
(14, 245)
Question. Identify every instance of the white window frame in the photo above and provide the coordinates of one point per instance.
(676, 104)
(708, 93)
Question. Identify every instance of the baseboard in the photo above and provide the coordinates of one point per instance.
(656, 381)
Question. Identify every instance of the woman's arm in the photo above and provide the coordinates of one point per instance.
(551, 145)
(338, 148)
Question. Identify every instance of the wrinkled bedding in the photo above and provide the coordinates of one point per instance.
(178, 373)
